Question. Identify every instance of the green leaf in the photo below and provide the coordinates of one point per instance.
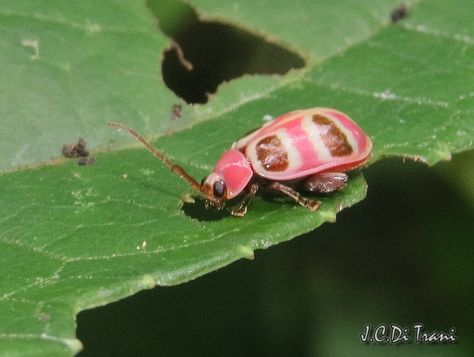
(77, 237)
(69, 67)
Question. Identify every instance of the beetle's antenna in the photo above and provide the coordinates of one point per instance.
(173, 167)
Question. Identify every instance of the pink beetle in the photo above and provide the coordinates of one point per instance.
(308, 150)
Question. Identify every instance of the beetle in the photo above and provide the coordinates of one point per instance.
(308, 149)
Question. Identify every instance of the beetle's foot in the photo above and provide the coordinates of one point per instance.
(239, 212)
(309, 204)
(241, 209)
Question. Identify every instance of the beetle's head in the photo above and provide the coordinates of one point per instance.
(230, 176)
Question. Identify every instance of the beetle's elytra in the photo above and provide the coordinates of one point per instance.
(309, 150)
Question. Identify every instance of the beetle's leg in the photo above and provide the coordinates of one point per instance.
(325, 182)
(305, 202)
(241, 210)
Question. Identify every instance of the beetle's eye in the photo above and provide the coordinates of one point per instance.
(219, 189)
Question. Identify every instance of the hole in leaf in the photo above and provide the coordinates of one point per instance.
(197, 210)
(208, 53)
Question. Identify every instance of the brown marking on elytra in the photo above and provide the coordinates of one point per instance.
(333, 138)
(272, 154)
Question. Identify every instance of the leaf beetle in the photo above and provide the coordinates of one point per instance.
(304, 150)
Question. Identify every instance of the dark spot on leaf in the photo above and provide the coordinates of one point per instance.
(176, 111)
(76, 150)
(86, 161)
(208, 53)
(399, 13)
(197, 210)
